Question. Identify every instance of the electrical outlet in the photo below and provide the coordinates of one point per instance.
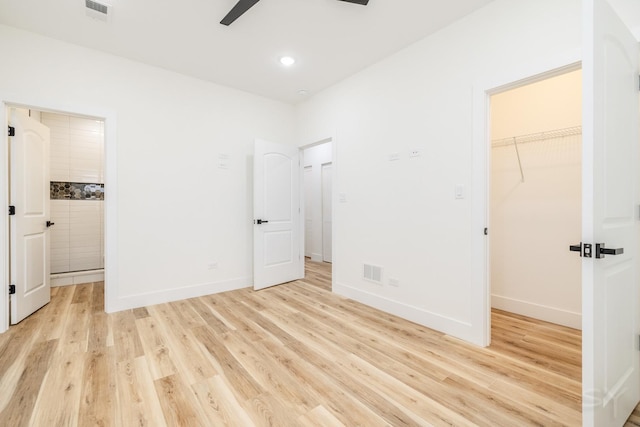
(394, 156)
(414, 153)
(212, 265)
(393, 281)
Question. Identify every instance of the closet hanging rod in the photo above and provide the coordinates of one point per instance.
(535, 137)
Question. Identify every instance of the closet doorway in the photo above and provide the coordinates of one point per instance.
(535, 199)
(318, 178)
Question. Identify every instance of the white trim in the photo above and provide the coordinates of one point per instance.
(316, 257)
(76, 278)
(110, 203)
(110, 215)
(482, 90)
(537, 311)
(418, 315)
(4, 221)
(181, 293)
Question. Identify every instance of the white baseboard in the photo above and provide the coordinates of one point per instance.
(76, 278)
(537, 311)
(177, 294)
(316, 257)
(418, 315)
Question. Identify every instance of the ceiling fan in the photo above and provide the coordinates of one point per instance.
(243, 5)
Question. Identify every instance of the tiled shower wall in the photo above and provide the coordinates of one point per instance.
(77, 238)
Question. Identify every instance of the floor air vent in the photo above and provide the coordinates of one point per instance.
(372, 273)
(97, 10)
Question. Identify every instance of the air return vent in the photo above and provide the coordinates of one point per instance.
(372, 273)
(97, 10)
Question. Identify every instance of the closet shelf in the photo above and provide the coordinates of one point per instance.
(535, 137)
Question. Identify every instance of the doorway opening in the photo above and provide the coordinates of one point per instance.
(534, 210)
(74, 193)
(77, 198)
(318, 178)
(535, 199)
(317, 188)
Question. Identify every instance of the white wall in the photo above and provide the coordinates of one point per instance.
(314, 158)
(177, 212)
(534, 222)
(403, 214)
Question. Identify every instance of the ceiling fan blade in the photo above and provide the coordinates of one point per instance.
(362, 2)
(241, 7)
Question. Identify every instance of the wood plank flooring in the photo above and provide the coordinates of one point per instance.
(292, 355)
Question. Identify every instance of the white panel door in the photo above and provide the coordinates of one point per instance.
(276, 207)
(327, 221)
(610, 179)
(29, 194)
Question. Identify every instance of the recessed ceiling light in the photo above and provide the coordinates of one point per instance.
(303, 92)
(287, 61)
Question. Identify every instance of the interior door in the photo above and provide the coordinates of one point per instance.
(610, 179)
(29, 193)
(276, 207)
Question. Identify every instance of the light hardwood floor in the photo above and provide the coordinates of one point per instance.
(292, 355)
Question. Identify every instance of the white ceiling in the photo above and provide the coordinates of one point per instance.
(330, 39)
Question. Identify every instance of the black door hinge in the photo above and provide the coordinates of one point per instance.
(12, 131)
(486, 231)
(12, 289)
(12, 210)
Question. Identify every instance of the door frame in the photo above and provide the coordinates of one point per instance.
(110, 203)
(322, 169)
(334, 151)
(481, 167)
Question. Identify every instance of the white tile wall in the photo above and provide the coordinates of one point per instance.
(59, 147)
(85, 235)
(76, 148)
(77, 238)
(60, 245)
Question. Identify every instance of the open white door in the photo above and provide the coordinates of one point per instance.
(277, 252)
(29, 194)
(610, 370)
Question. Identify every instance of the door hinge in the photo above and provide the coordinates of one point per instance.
(12, 131)
(486, 231)
(12, 289)
(12, 210)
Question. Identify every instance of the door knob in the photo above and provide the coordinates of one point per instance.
(261, 221)
(49, 224)
(586, 250)
(601, 251)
